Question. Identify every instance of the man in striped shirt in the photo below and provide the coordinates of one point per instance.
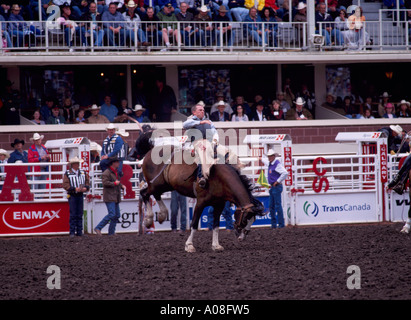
(76, 182)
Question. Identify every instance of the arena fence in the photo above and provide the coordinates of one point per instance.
(74, 36)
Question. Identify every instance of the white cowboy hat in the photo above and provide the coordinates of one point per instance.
(300, 101)
(36, 136)
(76, 160)
(138, 107)
(122, 132)
(396, 128)
(385, 95)
(221, 103)
(111, 126)
(94, 107)
(404, 102)
(131, 4)
(204, 9)
(94, 146)
(271, 152)
(2, 151)
(301, 5)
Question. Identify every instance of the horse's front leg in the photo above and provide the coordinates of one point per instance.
(189, 246)
(149, 217)
(215, 245)
(406, 228)
(163, 214)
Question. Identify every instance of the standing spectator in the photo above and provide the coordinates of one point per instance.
(38, 154)
(276, 175)
(95, 116)
(164, 100)
(108, 110)
(239, 114)
(112, 146)
(76, 182)
(10, 112)
(114, 26)
(111, 196)
(18, 154)
(55, 117)
(133, 25)
(178, 201)
(220, 114)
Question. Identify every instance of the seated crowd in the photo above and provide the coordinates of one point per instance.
(154, 22)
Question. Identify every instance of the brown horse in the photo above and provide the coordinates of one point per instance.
(224, 184)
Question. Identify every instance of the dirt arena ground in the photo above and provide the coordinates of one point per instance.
(306, 263)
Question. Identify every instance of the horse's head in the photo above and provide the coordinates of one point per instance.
(245, 217)
(143, 142)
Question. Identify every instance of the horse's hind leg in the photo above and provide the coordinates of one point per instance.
(163, 214)
(149, 217)
(406, 228)
(215, 245)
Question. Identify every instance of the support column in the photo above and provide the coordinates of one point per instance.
(129, 90)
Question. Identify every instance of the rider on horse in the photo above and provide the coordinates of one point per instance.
(205, 138)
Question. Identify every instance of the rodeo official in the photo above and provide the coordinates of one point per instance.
(76, 182)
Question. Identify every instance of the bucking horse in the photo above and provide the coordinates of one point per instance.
(225, 183)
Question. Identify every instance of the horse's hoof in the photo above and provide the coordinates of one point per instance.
(217, 248)
(162, 217)
(405, 229)
(148, 222)
(190, 248)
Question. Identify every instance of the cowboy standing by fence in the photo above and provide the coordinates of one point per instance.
(276, 175)
(76, 182)
(112, 147)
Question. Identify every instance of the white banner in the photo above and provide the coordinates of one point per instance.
(336, 208)
(400, 204)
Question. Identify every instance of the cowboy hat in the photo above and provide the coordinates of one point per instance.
(131, 4)
(404, 102)
(36, 136)
(204, 9)
(396, 128)
(138, 107)
(111, 126)
(17, 141)
(2, 151)
(122, 132)
(385, 95)
(271, 152)
(221, 103)
(94, 146)
(301, 5)
(94, 107)
(223, 9)
(76, 160)
(300, 101)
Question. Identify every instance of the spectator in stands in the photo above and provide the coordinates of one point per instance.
(138, 114)
(76, 182)
(327, 29)
(238, 10)
(101, 6)
(93, 17)
(276, 112)
(124, 108)
(392, 4)
(239, 115)
(253, 28)
(113, 23)
(190, 6)
(37, 118)
(68, 111)
(269, 16)
(18, 154)
(245, 105)
(299, 112)
(383, 102)
(220, 114)
(12, 102)
(20, 29)
(134, 22)
(164, 100)
(108, 110)
(259, 114)
(112, 147)
(80, 119)
(351, 110)
(284, 105)
(119, 3)
(203, 31)
(168, 27)
(403, 109)
(5, 34)
(223, 30)
(38, 154)
(220, 97)
(185, 28)
(368, 104)
(358, 37)
(80, 7)
(34, 9)
(151, 28)
(5, 7)
(258, 4)
(389, 111)
(329, 101)
(71, 28)
(367, 114)
(308, 97)
(95, 116)
(45, 110)
(301, 18)
(55, 117)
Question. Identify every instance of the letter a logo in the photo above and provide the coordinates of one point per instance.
(22, 184)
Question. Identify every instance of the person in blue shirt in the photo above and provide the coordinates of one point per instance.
(276, 175)
(253, 27)
(18, 154)
(112, 147)
(114, 24)
(109, 110)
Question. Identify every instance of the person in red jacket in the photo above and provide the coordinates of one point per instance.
(38, 153)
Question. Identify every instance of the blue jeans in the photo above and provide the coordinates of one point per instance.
(112, 217)
(226, 214)
(177, 200)
(76, 215)
(112, 41)
(276, 208)
(140, 35)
